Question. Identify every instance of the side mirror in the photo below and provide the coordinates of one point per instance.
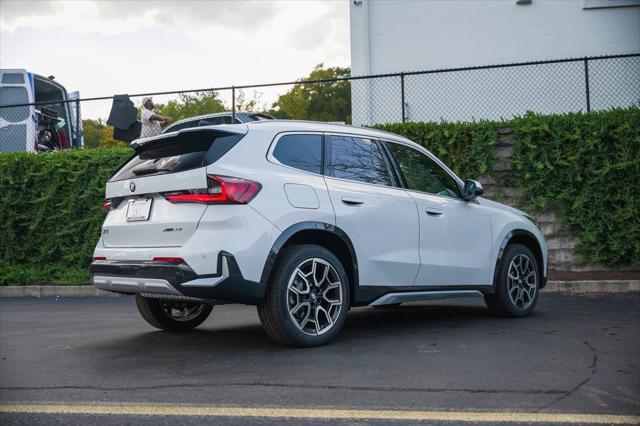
(472, 190)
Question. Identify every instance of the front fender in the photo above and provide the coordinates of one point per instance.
(532, 237)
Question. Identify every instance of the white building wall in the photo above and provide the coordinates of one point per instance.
(389, 36)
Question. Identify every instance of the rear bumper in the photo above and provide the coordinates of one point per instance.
(170, 279)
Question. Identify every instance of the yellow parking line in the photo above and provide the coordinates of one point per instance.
(316, 414)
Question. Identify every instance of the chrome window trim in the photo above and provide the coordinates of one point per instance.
(421, 149)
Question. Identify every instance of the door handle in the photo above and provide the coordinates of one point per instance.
(434, 212)
(352, 201)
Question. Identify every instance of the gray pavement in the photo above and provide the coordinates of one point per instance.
(574, 355)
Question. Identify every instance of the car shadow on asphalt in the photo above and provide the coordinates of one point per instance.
(362, 324)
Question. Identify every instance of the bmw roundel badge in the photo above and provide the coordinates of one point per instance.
(132, 186)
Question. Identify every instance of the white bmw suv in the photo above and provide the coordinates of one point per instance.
(305, 220)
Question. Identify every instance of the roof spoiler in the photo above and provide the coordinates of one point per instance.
(217, 130)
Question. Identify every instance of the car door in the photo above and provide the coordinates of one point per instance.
(380, 219)
(455, 235)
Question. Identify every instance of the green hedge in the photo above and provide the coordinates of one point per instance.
(467, 148)
(51, 212)
(586, 166)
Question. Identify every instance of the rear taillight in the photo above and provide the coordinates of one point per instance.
(220, 190)
(111, 203)
(98, 258)
(169, 259)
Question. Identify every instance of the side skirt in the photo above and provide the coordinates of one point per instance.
(416, 296)
(383, 295)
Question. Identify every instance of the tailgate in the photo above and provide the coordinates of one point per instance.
(166, 225)
(140, 215)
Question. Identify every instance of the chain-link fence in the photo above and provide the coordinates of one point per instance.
(38, 114)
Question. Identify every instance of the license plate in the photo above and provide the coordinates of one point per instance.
(138, 209)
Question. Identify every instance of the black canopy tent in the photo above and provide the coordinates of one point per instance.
(123, 118)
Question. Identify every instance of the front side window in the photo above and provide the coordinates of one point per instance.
(358, 159)
(421, 173)
(302, 152)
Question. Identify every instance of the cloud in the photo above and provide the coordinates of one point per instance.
(242, 15)
(104, 47)
(120, 16)
(311, 35)
(322, 30)
(10, 10)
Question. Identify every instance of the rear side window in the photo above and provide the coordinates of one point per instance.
(358, 159)
(302, 152)
(177, 154)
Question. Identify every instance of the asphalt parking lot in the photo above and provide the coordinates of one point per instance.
(73, 361)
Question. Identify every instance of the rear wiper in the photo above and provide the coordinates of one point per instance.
(148, 171)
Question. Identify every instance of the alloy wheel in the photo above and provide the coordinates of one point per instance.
(522, 280)
(181, 311)
(314, 296)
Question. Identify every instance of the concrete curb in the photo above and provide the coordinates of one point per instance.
(564, 287)
(54, 291)
(600, 286)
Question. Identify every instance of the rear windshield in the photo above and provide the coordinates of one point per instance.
(182, 152)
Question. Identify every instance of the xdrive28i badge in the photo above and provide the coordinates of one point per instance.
(132, 186)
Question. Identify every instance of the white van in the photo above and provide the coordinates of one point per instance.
(37, 127)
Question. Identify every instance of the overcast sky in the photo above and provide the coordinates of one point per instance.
(105, 47)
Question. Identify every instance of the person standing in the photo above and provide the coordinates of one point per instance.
(151, 122)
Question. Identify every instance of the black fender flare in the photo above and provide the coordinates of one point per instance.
(291, 231)
(510, 235)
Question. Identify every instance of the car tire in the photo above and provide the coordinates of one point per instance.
(301, 307)
(160, 313)
(517, 285)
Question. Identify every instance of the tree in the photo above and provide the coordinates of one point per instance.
(191, 105)
(329, 101)
(252, 104)
(96, 134)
